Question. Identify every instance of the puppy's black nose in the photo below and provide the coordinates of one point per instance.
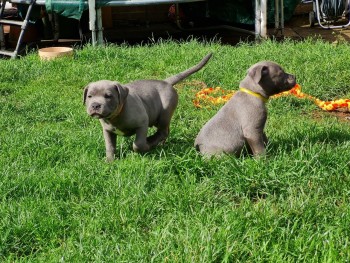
(95, 106)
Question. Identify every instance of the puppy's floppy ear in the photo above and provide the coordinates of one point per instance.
(122, 92)
(256, 73)
(86, 89)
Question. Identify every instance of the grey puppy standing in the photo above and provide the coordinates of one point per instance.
(242, 119)
(128, 109)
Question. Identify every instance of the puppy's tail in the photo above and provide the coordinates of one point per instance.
(178, 77)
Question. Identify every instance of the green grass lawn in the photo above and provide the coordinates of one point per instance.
(61, 202)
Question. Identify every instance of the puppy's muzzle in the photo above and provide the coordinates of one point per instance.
(95, 106)
(290, 82)
(292, 79)
(95, 110)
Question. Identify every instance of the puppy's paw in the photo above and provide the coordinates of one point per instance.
(110, 159)
(156, 139)
(141, 148)
(153, 140)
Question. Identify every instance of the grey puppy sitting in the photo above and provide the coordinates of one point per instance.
(241, 121)
(128, 109)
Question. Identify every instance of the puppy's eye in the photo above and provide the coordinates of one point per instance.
(89, 96)
(107, 96)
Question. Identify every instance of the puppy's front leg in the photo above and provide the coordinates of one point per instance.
(140, 144)
(110, 142)
(255, 139)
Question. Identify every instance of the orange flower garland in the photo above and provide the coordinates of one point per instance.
(324, 105)
(220, 96)
(210, 95)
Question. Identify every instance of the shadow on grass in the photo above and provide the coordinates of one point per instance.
(182, 146)
(332, 137)
(242, 176)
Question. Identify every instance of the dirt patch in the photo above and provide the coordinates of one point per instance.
(197, 84)
(298, 27)
(343, 116)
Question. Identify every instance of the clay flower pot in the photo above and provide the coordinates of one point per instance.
(55, 52)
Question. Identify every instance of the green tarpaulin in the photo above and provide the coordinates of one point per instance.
(71, 8)
(234, 11)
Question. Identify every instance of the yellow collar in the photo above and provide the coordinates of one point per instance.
(254, 94)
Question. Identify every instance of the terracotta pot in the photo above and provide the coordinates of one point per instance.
(55, 52)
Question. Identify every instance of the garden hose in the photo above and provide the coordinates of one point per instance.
(332, 9)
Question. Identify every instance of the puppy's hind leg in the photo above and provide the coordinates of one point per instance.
(140, 144)
(163, 129)
(164, 119)
(159, 137)
(266, 140)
